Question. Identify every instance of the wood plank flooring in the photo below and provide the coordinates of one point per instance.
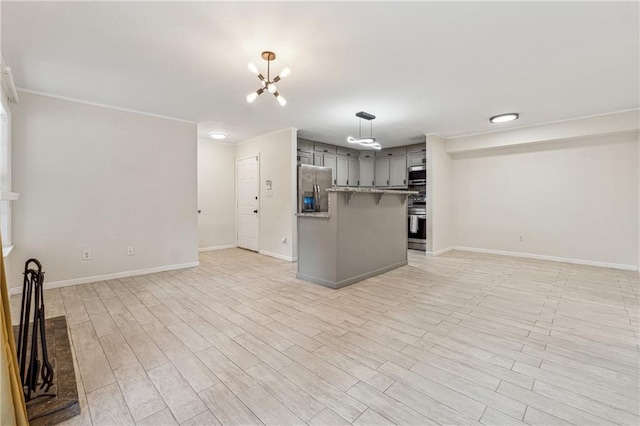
(463, 338)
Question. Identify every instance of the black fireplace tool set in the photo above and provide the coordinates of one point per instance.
(32, 327)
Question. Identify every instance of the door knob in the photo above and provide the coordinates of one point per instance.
(255, 211)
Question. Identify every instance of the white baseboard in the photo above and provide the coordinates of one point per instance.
(550, 258)
(105, 277)
(277, 255)
(212, 248)
(439, 252)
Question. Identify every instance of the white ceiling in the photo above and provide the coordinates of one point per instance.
(441, 68)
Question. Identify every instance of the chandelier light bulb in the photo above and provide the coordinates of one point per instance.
(253, 68)
(285, 72)
(252, 97)
(281, 100)
(271, 88)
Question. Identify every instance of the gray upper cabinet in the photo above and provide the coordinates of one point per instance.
(329, 160)
(354, 172)
(386, 168)
(305, 145)
(367, 176)
(323, 147)
(417, 148)
(342, 170)
(383, 167)
(304, 158)
(398, 171)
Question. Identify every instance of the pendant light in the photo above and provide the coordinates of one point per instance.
(369, 142)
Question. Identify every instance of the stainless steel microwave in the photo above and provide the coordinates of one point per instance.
(417, 175)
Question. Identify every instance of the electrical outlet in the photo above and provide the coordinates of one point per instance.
(130, 251)
(86, 254)
(521, 237)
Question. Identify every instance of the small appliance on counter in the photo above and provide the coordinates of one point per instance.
(313, 182)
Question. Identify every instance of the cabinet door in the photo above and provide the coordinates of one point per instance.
(342, 170)
(398, 171)
(305, 145)
(330, 161)
(318, 160)
(354, 172)
(382, 172)
(366, 172)
(417, 160)
(304, 158)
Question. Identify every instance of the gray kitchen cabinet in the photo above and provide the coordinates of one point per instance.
(398, 171)
(367, 175)
(305, 145)
(383, 168)
(330, 160)
(323, 147)
(354, 172)
(367, 154)
(342, 170)
(318, 159)
(304, 158)
(417, 148)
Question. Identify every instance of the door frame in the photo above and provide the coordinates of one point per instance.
(235, 178)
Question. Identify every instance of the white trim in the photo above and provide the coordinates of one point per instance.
(96, 104)
(113, 276)
(6, 250)
(278, 256)
(540, 124)
(266, 134)
(218, 141)
(212, 248)
(550, 258)
(8, 196)
(439, 252)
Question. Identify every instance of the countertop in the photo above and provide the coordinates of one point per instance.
(370, 190)
(314, 214)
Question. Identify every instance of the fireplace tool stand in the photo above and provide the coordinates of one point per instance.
(32, 327)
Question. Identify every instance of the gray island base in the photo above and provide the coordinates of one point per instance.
(363, 234)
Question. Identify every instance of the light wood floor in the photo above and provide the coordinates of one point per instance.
(462, 338)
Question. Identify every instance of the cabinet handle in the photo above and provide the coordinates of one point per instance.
(358, 183)
(335, 181)
(325, 150)
(298, 158)
(373, 183)
(405, 181)
(424, 160)
(347, 182)
(389, 154)
(387, 182)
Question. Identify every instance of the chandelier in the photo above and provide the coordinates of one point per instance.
(268, 84)
(369, 142)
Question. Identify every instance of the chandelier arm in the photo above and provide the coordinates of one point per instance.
(261, 77)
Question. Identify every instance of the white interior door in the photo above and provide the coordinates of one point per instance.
(247, 181)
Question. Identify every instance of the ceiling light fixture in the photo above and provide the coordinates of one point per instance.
(503, 118)
(218, 135)
(369, 142)
(268, 84)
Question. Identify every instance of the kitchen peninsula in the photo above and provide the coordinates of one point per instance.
(363, 234)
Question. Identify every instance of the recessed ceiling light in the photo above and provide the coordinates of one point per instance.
(218, 135)
(503, 118)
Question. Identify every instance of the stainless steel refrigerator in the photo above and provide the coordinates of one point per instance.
(313, 182)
